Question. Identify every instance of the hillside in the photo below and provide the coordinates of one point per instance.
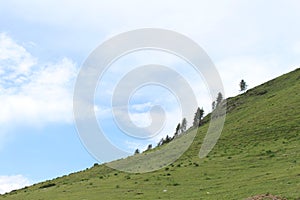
(257, 153)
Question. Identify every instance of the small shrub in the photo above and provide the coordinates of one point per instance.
(96, 164)
(268, 151)
(272, 155)
(47, 185)
(127, 177)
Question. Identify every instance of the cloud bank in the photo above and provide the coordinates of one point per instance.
(33, 92)
(9, 183)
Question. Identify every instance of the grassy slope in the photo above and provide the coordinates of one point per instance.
(258, 152)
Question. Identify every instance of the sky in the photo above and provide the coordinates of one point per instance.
(43, 45)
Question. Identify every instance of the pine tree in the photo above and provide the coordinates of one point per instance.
(168, 139)
(243, 85)
(213, 105)
(137, 151)
(198, 117)
(201, 116)
(161, 142)
(219, 99)
(149, 147)
(177, 131)
(183, 125)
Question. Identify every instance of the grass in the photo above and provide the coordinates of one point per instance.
(257, 153)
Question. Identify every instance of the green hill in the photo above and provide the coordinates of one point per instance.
(257, 153)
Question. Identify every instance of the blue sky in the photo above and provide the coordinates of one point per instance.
(44, 43)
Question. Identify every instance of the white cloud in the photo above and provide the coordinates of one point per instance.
(140, 115)
(142, 106)
(231, 29)
(241, 39)
(10, 50)
(15, 62)
(9, 183)
(32, 92)
(141, 119)
(92, 12)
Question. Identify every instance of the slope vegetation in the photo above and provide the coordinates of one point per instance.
(258, 153)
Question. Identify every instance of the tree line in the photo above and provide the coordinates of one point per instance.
(181, 128)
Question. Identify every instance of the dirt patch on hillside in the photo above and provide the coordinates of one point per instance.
(265, 197)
